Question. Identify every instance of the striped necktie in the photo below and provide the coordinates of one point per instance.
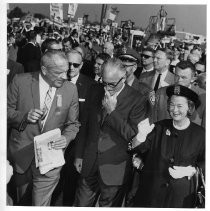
(47, 103)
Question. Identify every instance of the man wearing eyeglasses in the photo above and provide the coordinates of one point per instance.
(113, 113)
(83, 83)
(38, 103)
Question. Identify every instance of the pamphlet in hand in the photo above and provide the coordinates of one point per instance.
(47, 158)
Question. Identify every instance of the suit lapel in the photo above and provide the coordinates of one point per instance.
(169, 78)
(35, 93)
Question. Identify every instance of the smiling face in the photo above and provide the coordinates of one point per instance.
(178, 108)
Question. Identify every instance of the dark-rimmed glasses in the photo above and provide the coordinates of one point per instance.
(112, 85)
(75, 65)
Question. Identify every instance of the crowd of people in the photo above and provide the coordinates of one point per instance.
(132, 121)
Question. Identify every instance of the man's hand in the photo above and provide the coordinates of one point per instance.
(34, 115)
(9, 171)
(78, 164)
(59, 143)
(109, 102)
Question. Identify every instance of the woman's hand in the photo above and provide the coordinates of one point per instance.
(178, 172)
(137, 162)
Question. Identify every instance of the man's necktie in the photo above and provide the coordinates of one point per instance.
(47, 103)
(157, 82)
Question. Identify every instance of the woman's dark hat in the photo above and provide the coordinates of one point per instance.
(180, 90)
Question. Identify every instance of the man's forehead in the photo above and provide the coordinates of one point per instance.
(162, 53)
(148, 53)
(186, 71)
(76, 56)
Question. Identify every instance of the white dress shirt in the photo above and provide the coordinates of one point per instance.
(162, 79)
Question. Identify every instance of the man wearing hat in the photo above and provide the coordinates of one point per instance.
(184, 75)
(130, 60)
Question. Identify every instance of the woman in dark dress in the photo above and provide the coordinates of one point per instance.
(171, 153)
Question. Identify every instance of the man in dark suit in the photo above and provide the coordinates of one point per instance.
(73, 39)
(83, 84)
(31, 114)
(31, 54)
(160, 76)
(113, 113)
(184, 75)
(130, 61)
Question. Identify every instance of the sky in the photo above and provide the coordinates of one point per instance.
(189, 18)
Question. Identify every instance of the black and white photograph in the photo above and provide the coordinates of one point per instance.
(103, 104)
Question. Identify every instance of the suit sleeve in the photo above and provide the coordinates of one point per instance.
(16, 119)
(72, 124)
(127, 128)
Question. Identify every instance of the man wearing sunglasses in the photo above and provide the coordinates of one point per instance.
(113, 113)
(83, 84)
(147, 57)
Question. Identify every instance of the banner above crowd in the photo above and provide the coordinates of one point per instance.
(72, 10)
(56, 13)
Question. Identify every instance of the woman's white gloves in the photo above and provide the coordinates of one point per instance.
(178, 172)
(144, 128)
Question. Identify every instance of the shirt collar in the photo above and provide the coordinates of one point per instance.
(74, 79)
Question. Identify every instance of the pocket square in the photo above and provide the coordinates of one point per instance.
(81, 100)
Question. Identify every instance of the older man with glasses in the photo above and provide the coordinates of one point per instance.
(113, 113)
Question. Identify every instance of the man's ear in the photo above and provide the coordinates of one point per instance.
(81, 65)
(44, 70)
(134, 67)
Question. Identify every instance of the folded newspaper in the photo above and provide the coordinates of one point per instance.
(46, 157)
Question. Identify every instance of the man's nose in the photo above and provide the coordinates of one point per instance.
(64, 75)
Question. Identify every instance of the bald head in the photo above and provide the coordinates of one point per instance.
(79, 49)
(108, 48)
(113, 66)
(74, 52)
(53, 58)
(54, 67)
